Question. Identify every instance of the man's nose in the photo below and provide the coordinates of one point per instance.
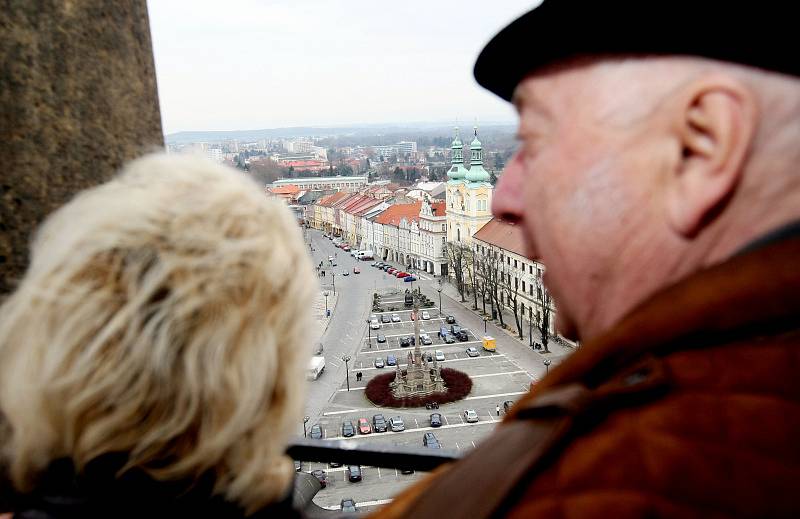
(507, 202)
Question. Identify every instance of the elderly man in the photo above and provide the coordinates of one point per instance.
(657, 181)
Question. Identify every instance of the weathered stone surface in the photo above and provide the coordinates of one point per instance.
(78, 98)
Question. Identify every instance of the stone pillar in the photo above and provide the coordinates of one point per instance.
(77, 100)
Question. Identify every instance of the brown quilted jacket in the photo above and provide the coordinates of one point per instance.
(723, 440)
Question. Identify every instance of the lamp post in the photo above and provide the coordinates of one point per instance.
(346, 359)
(440, 296)
(326, 302)
(333, 274)
(547, 366)
(369, 332)
(305, 421)
(530, 327)
(485, 320)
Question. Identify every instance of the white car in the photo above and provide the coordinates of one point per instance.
(374, 324)
(395, 318)
(425, 314)
(439, 355)
(470, 416)
(397, 425)
(425, 339)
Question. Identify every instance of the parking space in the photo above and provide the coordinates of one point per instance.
(495, 378)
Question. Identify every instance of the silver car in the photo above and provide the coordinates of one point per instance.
(439, 355)
(395, 318)
(425, 314)
(397, 425)
(470, 416)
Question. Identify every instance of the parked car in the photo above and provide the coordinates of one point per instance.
(391, 270)
(449, 339)
(396, 423)
(462, 335)
(406, 471)
(379, 423)
(409, 279)
(507, 405)
(391, 360)
(427, 356)
(429, 440)
(386, 268)
(381, 338)
(385, 318)
(426, 315)
(443, 331)
(405, 342)
(395, 318)
(354, 473)
(349, 505)
(374, 324)
(316, 432)
(470, 416)
(436, 420)
(298, 466)
(439, 355)
(401, 274)
(363, 426)
(450, 319)
(425, 339)
(348, 430)
(346, 273)
(335, 464)
(356, 270)
(373, 264)
(472, 351)
(321, 476)
(333, 263)
(379, 363)
(454, 329)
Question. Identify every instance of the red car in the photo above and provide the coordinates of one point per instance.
(401, 275)
(392, 270)
(356, 270)
(363, 426)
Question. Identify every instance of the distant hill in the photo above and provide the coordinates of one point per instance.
(311, 131)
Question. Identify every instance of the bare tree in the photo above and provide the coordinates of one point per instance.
(454, 252)
(471, 276)
(490, 271)
(509, 284)
(543, 320)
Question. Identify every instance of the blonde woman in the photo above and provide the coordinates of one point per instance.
(151, 360)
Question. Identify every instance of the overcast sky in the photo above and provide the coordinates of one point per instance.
(251, 64)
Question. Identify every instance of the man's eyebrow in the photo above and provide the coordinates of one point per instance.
(529, 101)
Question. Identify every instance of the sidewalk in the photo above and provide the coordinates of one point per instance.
(557, 348)
(318, 311)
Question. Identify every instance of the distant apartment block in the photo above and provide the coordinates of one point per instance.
(324, 183)
(401, 148)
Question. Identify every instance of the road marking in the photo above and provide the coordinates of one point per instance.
(473, 444)
(379, 473)
(417, 430)
(361, 503)
(356, 370)
(495, 396)
(457, 447)
(340, 412)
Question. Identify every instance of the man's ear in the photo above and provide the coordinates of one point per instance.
(715, 126)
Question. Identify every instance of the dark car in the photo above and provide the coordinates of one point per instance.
(436, 420)
(321, 476)
(379, 423)
(507, 405)
(346, 273)
(348, 429)
(335, 464)
(462, 335)
(450, 319)
(349, 505)
(449, 339)
(406, 471)
(316, 432)
(428, 356)
(391, 360)
(381, 338)
(405, 342)
(385, 318)
(354, 473)
(454, 329)
(429, 440)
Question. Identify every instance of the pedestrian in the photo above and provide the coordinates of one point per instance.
(497, 408)
(656, 179)
(358, 376)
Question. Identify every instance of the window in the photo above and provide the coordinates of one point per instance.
(515, 263)
(443, 227)
(523, 286)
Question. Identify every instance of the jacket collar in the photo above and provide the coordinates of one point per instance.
(754, 292)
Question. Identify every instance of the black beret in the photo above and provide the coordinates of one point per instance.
(760, 34)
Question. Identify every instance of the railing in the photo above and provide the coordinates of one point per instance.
(351, 452)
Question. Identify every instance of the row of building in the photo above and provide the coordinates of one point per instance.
(438, 236)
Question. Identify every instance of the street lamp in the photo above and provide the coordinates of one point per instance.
(440, 296)
(530, 326)
(334, 282)
(369, 332)
(346, 359)
(326, 302)
(305, 421)
(547, 366)
(485, 320)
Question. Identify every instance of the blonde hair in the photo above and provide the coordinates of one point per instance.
(164, 315)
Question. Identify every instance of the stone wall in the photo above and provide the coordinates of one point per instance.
(78, 98)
